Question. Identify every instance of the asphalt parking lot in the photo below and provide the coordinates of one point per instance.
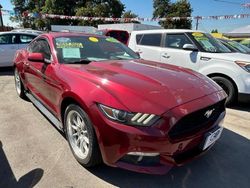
(33, 152)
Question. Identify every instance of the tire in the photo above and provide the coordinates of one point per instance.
(228, 87)
(81, 136)
(19, 85)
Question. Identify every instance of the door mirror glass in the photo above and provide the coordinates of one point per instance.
(36, 57)
(190, 47)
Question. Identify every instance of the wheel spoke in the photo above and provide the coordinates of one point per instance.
(85, 138)
(74, 127)
(75, 134)
(79, 121)
(81, 144)
(76, 123)
(84, 132)
(78, 141)
(85, 148)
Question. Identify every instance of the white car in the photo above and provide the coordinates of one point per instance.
(10, 42)
(198, 51)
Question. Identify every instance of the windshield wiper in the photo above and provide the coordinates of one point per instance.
(82, 61)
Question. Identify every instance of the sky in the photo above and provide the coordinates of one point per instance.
(144, 8)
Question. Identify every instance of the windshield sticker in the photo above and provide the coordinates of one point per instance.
(110, 39)
(197, 34)
(93, 39)
(201, 38)
(62, 39)
(69, 45)
(71, 53)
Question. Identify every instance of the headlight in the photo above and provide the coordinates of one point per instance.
(243, 64)
(128, 118)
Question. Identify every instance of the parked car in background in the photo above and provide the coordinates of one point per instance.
(120, 35)
(10, 42)
(198, 51)
(246, 42)
(32, 31)
(235, 46)
(114, 107)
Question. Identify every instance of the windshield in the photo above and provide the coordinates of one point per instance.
(84, 49)
(209, 43)
(238, 46)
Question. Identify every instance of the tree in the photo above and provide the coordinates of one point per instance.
(130, 14)
(161, 9)
(21, 8)
(214, 31)
(166, 9)
(100, 8)
(89, 8)
(61, 7)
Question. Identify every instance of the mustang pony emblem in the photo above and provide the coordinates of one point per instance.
(209, 113)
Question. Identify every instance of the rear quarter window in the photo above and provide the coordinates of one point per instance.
(150, 40)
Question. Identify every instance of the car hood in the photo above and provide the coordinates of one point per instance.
(148, 87)
(232, 57)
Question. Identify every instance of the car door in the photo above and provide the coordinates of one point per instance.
(8, 48)
(41, 76)
(173, 52)
(149, 46)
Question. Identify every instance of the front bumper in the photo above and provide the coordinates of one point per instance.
(117, 141)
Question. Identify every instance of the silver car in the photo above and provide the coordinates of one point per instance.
(10, 42)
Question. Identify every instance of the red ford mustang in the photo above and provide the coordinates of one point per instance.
(115, 107)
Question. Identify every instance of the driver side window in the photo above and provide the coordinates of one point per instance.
(176, 41)
(40, 46)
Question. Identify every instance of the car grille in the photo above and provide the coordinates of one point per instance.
(196, 121)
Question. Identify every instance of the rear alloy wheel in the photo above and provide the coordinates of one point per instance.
(228, 87)
(19, 85)
(81, 136)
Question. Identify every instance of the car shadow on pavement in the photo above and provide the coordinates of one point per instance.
(227, 165)
(242, 107)
(6, 71)
(8, 179)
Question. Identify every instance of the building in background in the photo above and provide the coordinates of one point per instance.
(129, 27)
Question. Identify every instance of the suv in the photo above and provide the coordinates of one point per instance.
(198, 51)
(12, 41)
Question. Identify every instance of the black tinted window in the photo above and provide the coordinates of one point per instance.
(176, 40)
(151, 40)
(8, 39)
(40, 46)
(138, 39)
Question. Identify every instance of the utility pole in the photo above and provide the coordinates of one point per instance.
(197, 23)
(1, 18)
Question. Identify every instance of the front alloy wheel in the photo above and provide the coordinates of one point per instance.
(19, 84)
(81, 136)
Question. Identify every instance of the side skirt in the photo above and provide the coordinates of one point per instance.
(45, 111)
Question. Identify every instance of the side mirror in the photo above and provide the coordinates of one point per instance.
(190, 47)
(36, 57)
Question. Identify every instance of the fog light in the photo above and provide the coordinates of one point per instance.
(144, 154)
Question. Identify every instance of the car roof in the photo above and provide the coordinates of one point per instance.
(166, 31)
(65, 34)
(24, 33)
(225, 40)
